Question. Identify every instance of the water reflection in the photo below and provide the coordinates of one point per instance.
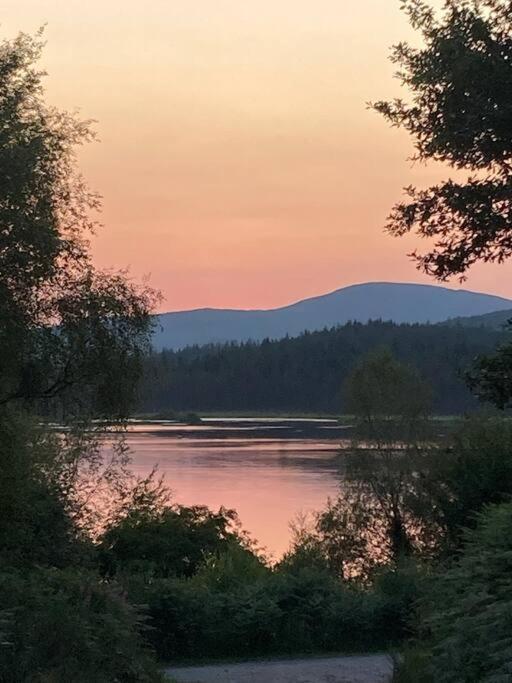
(267, 480)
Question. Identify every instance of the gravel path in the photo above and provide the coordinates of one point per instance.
(368, 669)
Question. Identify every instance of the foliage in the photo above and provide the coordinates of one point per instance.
(58, 491)
(82, 542)
(400, 588)
(226, 601)
(389, 401)
(460, 113)
(468, 611)
(35, 527)
(411, 666)
(71, 346)
(166, 541)
(64, 625)
(67, 329)
(390, 404)
(463, 626)
(59, 620)
(265, 613)
(410, 501)
(471, 470)
(490, 378)
(308, 374)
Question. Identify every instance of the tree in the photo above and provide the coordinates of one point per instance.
(307, 373)
(72, 340)
(460, 113)
(388, 399)
(375, 520)
(63, 323)
(468, 471)
(66, 625)
(491, 377)
(390, 404)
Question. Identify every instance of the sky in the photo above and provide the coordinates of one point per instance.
(238, 162)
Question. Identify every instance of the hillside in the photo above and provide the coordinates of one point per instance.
(400, 303)
(497, 320)
(306, 374)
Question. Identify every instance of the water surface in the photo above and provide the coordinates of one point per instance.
(268, 471)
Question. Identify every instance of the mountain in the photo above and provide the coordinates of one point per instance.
(399, 302)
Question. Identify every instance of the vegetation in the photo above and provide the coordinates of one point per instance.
(470, 608)
(466, 611)
(66, 625)
(71, 344)
(265, 612)
(307, 374)
(461, 113)
(417, 547)
(368, 574)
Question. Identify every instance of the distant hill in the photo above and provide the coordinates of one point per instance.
(495, 321)
(401, 303)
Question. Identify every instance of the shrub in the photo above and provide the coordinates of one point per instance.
(471, 618)
(413, 667)
(165, 540)
(475, 471)
(60, 626)
(467, 612)
(266, 612)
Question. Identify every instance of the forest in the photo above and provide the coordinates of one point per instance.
(308, 374)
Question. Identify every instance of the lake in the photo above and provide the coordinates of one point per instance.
(269, 470)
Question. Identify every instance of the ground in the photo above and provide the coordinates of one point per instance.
(367, 669)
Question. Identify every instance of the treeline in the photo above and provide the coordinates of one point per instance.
(308, 373)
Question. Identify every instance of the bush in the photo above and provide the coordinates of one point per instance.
(475, 471)
(266, 612)
(467, 613)
(398, 590)
(62, 626)
(161, 540)
(413, 667)
(472, 606)
(35, 525)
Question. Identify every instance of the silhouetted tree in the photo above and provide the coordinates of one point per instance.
(72, 341)
(391, 405)
(63, 323)
(460, 113)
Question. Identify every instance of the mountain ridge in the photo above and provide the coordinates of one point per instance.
(346, 288)
(399, 302)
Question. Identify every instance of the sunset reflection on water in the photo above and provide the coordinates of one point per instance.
(268, 481)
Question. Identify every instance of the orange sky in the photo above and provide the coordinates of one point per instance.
(238, 163)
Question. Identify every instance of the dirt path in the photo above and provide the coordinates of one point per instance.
(370, 669)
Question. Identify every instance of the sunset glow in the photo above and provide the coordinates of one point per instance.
(239, 164)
